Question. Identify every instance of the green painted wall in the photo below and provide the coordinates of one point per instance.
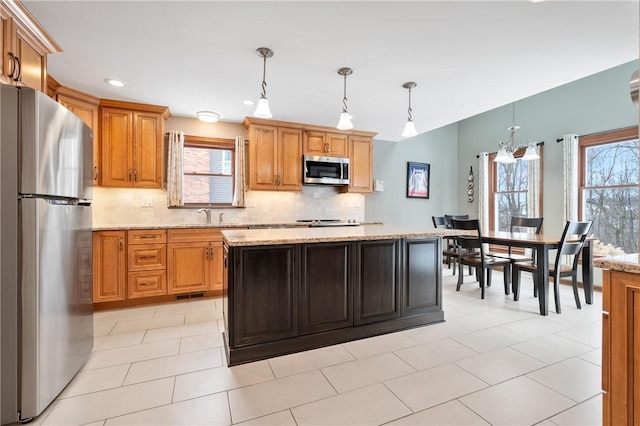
(593, 104)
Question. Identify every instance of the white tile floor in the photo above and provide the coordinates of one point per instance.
(494, 361)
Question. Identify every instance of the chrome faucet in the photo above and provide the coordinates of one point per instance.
(207, 212)
(220, 217)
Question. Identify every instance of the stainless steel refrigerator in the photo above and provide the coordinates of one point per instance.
(46, 287)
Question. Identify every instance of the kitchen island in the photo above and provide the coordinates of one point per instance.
(620, 339)
(289, 290)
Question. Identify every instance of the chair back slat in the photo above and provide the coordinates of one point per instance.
(577, 232)
(468, 242)
(449, 217)
(439, 222)
(526, 222)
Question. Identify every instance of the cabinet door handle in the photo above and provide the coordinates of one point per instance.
(121, 243)
(143, 283)
(13, 64)
(17, 77)
(145, 257)
(135, 175)
(147, 236)
(606, 351)
(130, 171)
(95, 173)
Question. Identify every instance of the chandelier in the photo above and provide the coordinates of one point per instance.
(508, 147)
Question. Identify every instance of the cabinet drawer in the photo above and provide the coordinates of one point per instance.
(147, 283)
(145, 236)
(146, 257)
(188, 235)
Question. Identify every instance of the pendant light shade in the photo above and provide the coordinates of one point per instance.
(409, 127)
(345, 122)
(262, 109)
(345, 118)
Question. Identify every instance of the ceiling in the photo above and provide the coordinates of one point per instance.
(466, 57)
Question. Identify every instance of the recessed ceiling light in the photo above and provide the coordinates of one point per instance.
(208, 116)
(113, 82)
(248, 102)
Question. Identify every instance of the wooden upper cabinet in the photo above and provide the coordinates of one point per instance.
(132, 144)
(25, 46)
(86, 107)
(276, 149)
(325, 143)
(289, 159)
(275, 158)
(360, 165)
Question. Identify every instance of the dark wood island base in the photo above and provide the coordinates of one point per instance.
(317, 290)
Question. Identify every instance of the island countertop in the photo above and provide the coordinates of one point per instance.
(260, 237)
(625, 263)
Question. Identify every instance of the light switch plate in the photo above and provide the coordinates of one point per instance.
(378, 185)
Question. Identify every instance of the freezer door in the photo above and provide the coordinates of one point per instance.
(56, 149)
(57, 309)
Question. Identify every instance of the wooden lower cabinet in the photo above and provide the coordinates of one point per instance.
(146, 284)
(620, 348)
(377, 285)
(194, 260)
(146, 263)
(109, 266)
(325, 287)
(422, 262)
(156, 264)
(265, 294)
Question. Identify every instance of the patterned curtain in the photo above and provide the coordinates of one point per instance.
(175, 168)
(533, 194)
(238, 194)
(483, 191)
(570, 211)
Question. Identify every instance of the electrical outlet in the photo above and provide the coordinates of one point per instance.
(146, 201)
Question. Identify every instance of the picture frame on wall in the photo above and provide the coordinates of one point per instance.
(418, 180)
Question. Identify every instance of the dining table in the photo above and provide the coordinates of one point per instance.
(541, 244)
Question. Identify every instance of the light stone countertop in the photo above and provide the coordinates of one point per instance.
(259, 237)
(190, 225)
(625, 263)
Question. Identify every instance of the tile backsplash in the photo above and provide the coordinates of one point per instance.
(135, 207)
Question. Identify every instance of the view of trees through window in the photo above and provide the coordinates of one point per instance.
(510, 185)
(208, 175)
(609, 192)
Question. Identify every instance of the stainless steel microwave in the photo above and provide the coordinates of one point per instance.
(325, 170)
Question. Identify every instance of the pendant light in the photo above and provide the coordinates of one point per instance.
(262, 110)
(409, 127)
(345, 117)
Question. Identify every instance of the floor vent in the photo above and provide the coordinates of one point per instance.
(189, 296)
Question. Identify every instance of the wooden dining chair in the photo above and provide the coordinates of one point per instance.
(573, 238)
(449, 217)
(449, 250)
(520, 224)
(471, 253)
